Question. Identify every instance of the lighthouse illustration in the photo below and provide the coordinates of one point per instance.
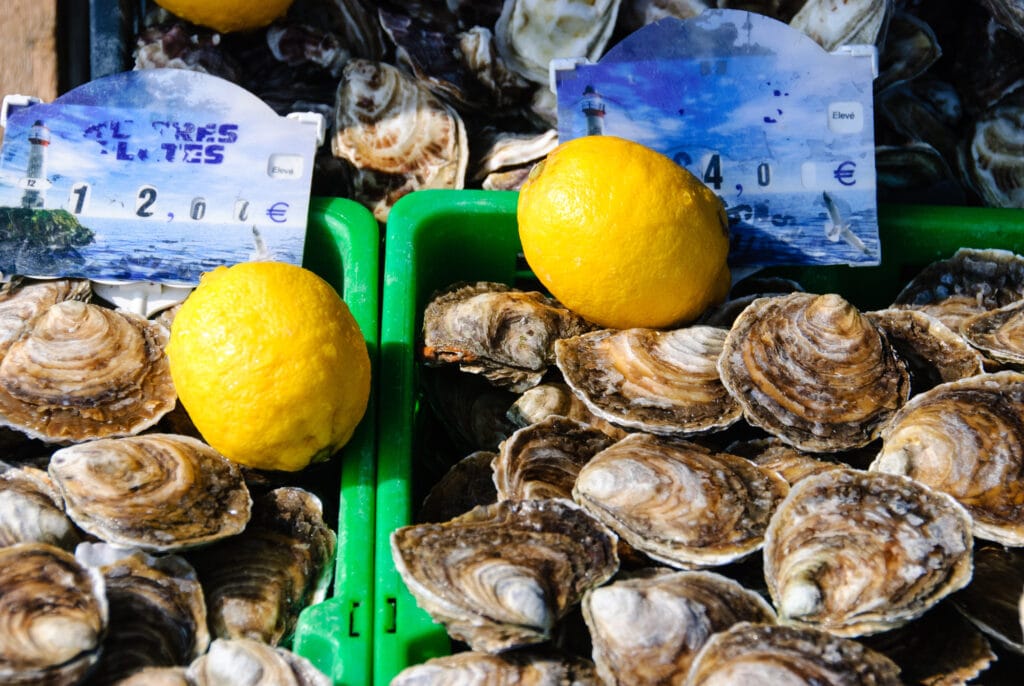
(593, 109)
(35, 182)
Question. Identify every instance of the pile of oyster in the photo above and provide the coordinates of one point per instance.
(453, 94)
(789, 487)
(130, 550)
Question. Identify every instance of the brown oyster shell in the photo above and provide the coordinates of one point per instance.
(646, 629)
(995, 154)
(505, 334)
(468, 483)
(156, 676)
(257, 583)
(157, 492)
(992, 600)
(856, 553)
(831, 24)
(790, 463)
(501, 576)
(247, 662)
(543, 459)
(32, 511)
(814, 371)
(55, 616)
(84, 372)
(773, 654)
(473, 411)
(998, 333)
(661, 382)
(527, 667)
(966, 438)
(556, 398)
(24, 301)
(678, 502)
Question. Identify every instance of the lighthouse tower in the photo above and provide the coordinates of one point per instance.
(593, 109)
(35, 182)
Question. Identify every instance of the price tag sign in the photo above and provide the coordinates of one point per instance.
(780, 129)
(154, 175)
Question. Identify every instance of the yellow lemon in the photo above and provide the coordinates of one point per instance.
(622, 235)
(270, 365)
(226, 16)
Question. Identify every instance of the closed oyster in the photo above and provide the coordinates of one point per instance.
(998, 333)
(966, 438)
(505, 334)
(831, 24)
(512, 155)
(84, 372)
(910, 48)
(661, 382)
(157, 676)
(501, 575)
(388, 123)
(748, 653)
(24, 301)
(555, 398)
(857, 553)
(543, 459)
(969, 282)
(814, 371)
(530, 33)
(468, 483)
(246, 662)
(257, 583)
(647, 629)
(992, 600)
(55, 616)
(678, 502)
(993, 157)
(157, 611)
(31, 510)
(473, 412)
(791, 464)
(527, 667)
(157, 492)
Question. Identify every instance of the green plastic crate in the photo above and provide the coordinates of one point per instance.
(336, 635)
(434, 238)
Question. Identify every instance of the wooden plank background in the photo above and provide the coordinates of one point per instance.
(28, 48)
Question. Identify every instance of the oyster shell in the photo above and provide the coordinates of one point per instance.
(83, 372)
(993, 158)
(31, 510)
(157, 676)
(157, 492)
(245, 662)
(55, 616)
(965, 438)
(790, 463)
(969, 282)
(501, 575)
(635, 14)
(998, 333)
(814, 371)
(992, 600)
(678, 502)
(661, 382)
(527, 667)
(857, 553)
(511, 155)
(543, 459)
(647, 629)
(555, 398)
(257, 582)
(24, 301)
(469, 482)
(388, 123)
(487, 328)
(472, 411)
(910, 49)
(831, 24)
(772, 654)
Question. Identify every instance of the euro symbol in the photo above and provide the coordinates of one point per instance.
(844, 173)
(277, 212)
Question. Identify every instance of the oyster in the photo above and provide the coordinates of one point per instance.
(31, 510)
(245, 662)
(661, 382)
(84, 372)
(530, 33)
(55, 616)
(910, 49)
(678, 502)
(998, 333)
(387, 123)
(472, 411)
(966, 438)
(528, 667)
(257, 582)
(157, 611)
(635, 14)
(791, 464)
(543, 459)
(469, 482)
(158, 492)
(992, 600)
(857, 553)
(156, 676)
(814, 371)
(23, 301)
(509, 157)
(646, 629)
(831, 24)
(555, 398)
(501, 575)
(969, 282)
(487, 328)
(748, 653)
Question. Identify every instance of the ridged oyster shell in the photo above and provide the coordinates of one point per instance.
(831, 24)
(998, 333)
(678, 502)
(661, 382)
(32, 510)
(856, 553)
(83, 372)
(55, 616)
(814, 371)
(790, 463)
(24, 301)
(157, 492)
(246, 662)
(748, 653)
(965, 438)
(992, 600)
(466, 484)
(501, 576)
(994, 154)
(647, 628)
(526, 667)
(556, 398)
